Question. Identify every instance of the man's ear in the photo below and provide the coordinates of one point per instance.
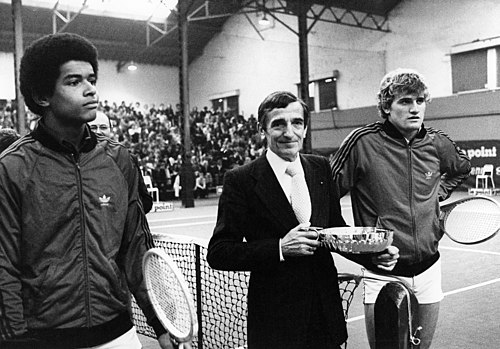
(42, 101)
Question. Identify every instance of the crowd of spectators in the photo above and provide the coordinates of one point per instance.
(219, 141)
(8, 117)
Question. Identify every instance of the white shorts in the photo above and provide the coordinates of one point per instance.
(426, 286)
(128, 340)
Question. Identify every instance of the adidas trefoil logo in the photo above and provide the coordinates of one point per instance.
(428, 175)
(104, 200)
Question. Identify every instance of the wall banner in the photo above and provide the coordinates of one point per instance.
(481, 153)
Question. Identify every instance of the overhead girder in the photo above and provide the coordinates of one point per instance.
(67, 19)
(318, 12)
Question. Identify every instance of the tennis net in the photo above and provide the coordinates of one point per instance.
(220, 296)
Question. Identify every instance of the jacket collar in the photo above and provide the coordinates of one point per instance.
(45, 136)
(393, 132)
(271, 195)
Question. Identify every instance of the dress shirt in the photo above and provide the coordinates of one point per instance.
(279, 167)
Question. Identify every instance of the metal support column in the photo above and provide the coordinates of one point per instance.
(187, 175)
(18, 53)
(302, 9)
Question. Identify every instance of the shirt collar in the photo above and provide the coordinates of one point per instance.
(393, 132)
(278, 164)
(49, 139)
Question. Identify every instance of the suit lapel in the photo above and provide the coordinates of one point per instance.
(315, 186)
(270, 193)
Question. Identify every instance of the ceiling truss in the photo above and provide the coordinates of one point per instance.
(319, 12)
(156, 32)
(152, 41)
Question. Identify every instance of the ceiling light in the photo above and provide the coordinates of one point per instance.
(264, 21)
(132, 66)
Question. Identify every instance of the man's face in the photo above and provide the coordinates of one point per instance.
(74, 101)
(101, 124)
(407, 113)
(285, 130)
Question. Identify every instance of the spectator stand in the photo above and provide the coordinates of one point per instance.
(220, 141)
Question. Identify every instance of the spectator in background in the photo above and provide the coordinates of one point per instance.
(218, 170)
(200, 188)
(102, 125)
(7, 137)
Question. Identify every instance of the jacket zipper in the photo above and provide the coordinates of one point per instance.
(83, 235)
(412, 208)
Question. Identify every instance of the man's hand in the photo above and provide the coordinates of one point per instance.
(299, 241)
(166, 342)
(387, 260)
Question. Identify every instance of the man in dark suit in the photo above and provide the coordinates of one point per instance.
(293, 296)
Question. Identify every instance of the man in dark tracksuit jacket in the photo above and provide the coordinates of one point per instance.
(72, 228)
(397, 171)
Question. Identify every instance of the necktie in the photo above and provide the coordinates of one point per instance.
(301, 202)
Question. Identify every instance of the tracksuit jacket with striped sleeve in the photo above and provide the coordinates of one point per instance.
(398, 185)
(72, 237)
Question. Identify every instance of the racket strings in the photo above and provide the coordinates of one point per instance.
(171, 298)
(473, 221)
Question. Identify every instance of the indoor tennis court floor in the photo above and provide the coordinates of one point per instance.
(471, 280)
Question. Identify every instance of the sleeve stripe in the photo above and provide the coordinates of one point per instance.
(341, 155)
(459, 151)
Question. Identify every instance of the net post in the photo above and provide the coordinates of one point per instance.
(199, 302)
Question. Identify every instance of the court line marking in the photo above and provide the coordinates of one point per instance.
(182, 224)
(181, 218)
(471, 287)
(449, 293)
(469, 250)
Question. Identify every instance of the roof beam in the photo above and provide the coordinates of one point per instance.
(320, 13)
(66, 19)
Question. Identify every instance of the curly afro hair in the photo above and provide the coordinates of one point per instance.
(41, 62)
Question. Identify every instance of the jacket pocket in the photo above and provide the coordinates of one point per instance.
(37, 291)
(119, 288)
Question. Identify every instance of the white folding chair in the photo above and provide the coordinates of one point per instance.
(151, 189)
(485, 176)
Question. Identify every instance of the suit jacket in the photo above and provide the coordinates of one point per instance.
(284, 298)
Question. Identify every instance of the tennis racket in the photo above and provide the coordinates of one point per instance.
(471, 220)
(170, 296)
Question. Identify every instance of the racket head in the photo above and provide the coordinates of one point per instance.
(471, 220)
(170, 295)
